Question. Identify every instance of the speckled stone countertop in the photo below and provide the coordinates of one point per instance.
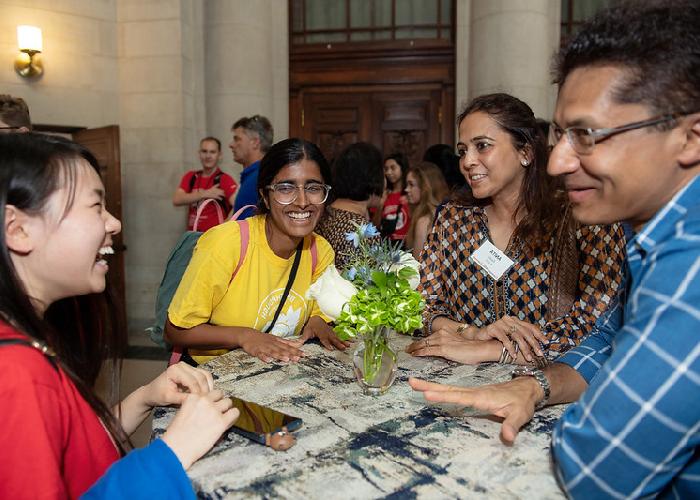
(357, 446)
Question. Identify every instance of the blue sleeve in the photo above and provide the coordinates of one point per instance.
(594, 350)
(635, 431)
(150, 472)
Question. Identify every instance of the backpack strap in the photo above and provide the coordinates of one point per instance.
(200, 209)
(193, 179)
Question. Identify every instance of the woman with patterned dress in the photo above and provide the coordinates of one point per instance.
(506, 275)
(358, 184)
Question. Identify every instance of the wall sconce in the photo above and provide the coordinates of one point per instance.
(27, 63)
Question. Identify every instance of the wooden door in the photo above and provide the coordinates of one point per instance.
(103, 142)
(335, 120)
(395, 119)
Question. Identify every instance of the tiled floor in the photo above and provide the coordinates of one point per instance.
(143, 363)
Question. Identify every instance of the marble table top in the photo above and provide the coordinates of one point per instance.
(356, 446)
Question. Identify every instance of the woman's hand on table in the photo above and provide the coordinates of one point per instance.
(514, 401)
(318, 328)
(452, 346)
(198, 425)
(508, 330)
(267, 347)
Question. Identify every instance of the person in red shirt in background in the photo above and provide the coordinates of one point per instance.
(395, 212)
(208, 183)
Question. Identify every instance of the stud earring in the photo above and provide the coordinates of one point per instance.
(524, 163)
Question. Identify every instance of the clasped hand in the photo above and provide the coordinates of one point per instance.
(467, 346)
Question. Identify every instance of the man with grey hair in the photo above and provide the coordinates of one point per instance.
(252, 138)
(14, 114)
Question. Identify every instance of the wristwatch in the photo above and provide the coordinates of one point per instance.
(539, 376)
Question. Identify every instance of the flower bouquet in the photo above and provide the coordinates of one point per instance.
(375, 295)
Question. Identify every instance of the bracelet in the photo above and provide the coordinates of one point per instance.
(505, 355)
(430, 322)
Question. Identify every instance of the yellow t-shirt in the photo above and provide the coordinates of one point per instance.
(206, 293)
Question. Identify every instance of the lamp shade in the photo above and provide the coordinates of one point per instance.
(29, 38)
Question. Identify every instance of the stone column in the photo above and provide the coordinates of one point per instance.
(247, 65)
(161, 118)
(511, 43)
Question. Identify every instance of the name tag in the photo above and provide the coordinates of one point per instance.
(491, 260)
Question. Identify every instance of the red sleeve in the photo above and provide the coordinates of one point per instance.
(185, 182)
(228, 185)
(32, 426)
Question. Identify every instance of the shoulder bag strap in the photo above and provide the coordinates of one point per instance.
(34, 344)
(290, 281)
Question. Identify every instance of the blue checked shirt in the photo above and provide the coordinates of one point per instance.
(635, 432)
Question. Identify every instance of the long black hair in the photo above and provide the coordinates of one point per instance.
(83, 331)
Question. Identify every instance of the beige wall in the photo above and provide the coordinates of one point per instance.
(508, 49)
(80, 85)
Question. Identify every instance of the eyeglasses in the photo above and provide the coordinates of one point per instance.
(286, 193)
(583, 139)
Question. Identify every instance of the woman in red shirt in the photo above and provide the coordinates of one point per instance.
(395, 212)
(58, 438)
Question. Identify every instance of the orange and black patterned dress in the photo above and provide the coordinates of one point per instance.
(455, 287)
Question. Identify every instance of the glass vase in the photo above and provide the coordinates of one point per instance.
(375, 362)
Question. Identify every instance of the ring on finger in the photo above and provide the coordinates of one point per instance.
(427, 343)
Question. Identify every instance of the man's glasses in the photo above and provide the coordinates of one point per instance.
(286, 193)
(583, 139)
(8, 129)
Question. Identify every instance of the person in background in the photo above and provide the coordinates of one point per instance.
(445, 158)
(395, 216)
(14, 114)
(207, 183)
(214, 311)
(252, 138)
(626, 143)
(59, 440)
(358, 184)
(506, 275)
(425, 190)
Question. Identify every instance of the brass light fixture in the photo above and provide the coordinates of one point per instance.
(28, 64)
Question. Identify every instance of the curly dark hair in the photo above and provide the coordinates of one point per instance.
(657, 42)
(542, 200)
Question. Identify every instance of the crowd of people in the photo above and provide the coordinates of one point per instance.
(523, 260)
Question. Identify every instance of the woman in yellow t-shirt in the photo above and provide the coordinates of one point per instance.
(212, 313)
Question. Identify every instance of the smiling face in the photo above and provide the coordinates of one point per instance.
(209, 155)
(67, 255)
(488, 160)
(413, 190)
(628, 176)
(298, 219)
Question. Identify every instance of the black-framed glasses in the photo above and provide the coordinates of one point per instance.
(583, 139)
(286, 193)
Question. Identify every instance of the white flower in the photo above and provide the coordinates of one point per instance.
(407, 260)
(331, 292)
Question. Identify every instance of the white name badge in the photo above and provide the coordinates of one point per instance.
(491, 260)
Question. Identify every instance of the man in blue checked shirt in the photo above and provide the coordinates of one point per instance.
(626, 138)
